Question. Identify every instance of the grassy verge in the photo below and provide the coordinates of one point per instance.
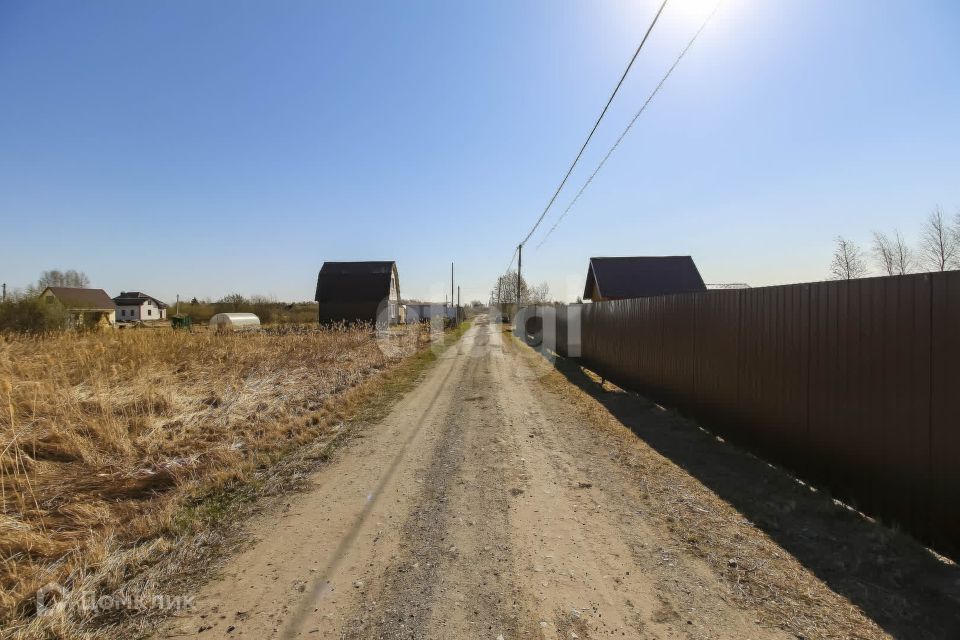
(178, 528)
(366, 403)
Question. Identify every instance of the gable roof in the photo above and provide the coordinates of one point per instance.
(137, 298)
(83, 299)
(355, 281)
(641, 277)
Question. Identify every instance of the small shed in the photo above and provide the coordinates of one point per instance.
(641, 277)
(234, 321)
(359, 292)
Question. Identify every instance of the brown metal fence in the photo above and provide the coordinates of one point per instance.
(854, 385)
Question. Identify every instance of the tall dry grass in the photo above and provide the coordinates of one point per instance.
(107, 439)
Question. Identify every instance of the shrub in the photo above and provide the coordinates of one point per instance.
(31, 315)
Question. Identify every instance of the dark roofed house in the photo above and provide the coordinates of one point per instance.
(359, 292)
(136, 305)
(641, 277)
(86, 307)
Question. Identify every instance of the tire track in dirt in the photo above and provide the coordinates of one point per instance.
(487, 601)
(403, 596)
(454, 570)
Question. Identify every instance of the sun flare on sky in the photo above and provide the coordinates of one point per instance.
(692, 11)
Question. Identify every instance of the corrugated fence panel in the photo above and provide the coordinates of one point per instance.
(855, 381)
(749, 375)
(822, 381)
(780, 358)
(679, 341)
(795, 368)
(650, 346)
(715, 372)
(911, 432)
(854, 385)
(945, 406)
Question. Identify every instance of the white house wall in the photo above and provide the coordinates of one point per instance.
(129, 313)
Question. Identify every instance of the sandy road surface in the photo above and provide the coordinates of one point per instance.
(476, 509)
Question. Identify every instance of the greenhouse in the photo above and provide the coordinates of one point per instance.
(234, 321)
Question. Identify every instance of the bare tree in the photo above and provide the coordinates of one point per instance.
(70, 278)
(893, 255)
(505, 289)
(883, 252)
(540, 294)
(847, 261)
(903, 261)
(939, 243)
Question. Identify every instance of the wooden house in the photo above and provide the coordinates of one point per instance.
(359, 292)
(85, 307)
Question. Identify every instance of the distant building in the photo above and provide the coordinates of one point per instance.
(85, 307)
(424, 311)
(359, 292)
(136, 305)
(641, 277)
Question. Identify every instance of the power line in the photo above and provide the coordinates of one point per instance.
(595, 125)
(632, 122)
(512, 258)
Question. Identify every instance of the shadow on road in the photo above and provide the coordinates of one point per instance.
(893, 579)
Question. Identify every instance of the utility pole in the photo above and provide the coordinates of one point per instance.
(178, 305)
(451, 284)
(4, 291)
(519, 266)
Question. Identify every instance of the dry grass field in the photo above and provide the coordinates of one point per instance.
(112, 444)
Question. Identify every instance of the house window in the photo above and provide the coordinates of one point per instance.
(149, 312)
(49, 299)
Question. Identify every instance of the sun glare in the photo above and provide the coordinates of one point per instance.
(694, 11)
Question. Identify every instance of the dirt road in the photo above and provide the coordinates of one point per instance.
(479, 508)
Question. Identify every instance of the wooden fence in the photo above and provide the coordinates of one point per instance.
(854, 385)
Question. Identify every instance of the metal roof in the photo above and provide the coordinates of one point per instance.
(82, 299)
(641, 277)
(354, 281)
(136, 298)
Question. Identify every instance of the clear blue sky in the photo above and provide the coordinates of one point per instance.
(203, 148)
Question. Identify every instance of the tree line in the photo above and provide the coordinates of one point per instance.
(268, 309)
(938, 250)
